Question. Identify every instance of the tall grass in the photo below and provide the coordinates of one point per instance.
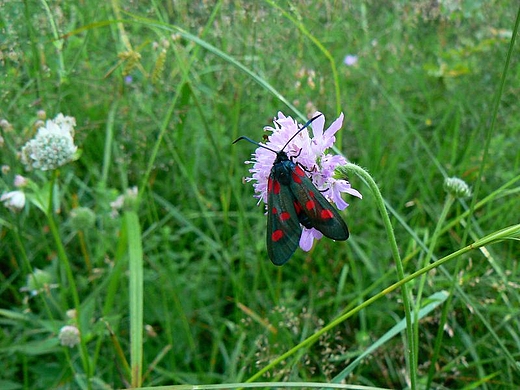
(171, 285)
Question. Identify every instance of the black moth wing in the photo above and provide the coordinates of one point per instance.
(283, 227)
(313, 209)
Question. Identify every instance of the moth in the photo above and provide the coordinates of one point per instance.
(292, 201)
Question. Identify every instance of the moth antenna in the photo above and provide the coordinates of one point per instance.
(304, 127)
(254, 143)
(287, 143)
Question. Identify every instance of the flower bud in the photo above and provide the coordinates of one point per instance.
(457, 187)
(20, 181)
(82, 218)
(69, 336)
(37, 281)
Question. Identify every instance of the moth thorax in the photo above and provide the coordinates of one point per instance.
(283, 172)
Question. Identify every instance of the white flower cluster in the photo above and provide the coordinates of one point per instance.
(15, 200)
(53, 145)
(69, 336)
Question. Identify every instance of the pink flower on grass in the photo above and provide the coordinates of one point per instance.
(308, 151)
(350, 60)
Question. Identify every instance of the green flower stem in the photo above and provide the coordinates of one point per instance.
(64, 260)
(508, 233)
(380, 203)
(350, 168)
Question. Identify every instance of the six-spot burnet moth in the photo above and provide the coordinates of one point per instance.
(293, 200)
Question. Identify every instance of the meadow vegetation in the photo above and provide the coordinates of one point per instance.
(140, 258)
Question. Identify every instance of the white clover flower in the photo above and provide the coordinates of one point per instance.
(69, 336)
(14, 200)
(53, 145)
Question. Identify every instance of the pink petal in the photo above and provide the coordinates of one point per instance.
(353, 192)
(317, 125)
(338, 200)
(333, 129)
(307, 238)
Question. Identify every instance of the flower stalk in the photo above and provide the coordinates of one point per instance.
(408, 310)
(64, 260)
(508, 233)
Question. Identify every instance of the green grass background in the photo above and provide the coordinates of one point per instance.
(159, 91)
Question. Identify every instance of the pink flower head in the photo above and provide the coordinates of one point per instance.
(350, 60)
(310, 153)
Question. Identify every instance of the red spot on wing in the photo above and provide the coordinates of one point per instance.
(297, 179)
(277, 235)
(310, 205)
(299, 171)
(274, 210)
(326, 214)
(273, 186)
(276, 187)
(284, 216)
(298, 174)
(298, 207)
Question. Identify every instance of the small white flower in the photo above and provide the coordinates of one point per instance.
(69, 336)
(20, 181)
(14, 200)
(124, 201)
(4, 124)
(53, 145)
